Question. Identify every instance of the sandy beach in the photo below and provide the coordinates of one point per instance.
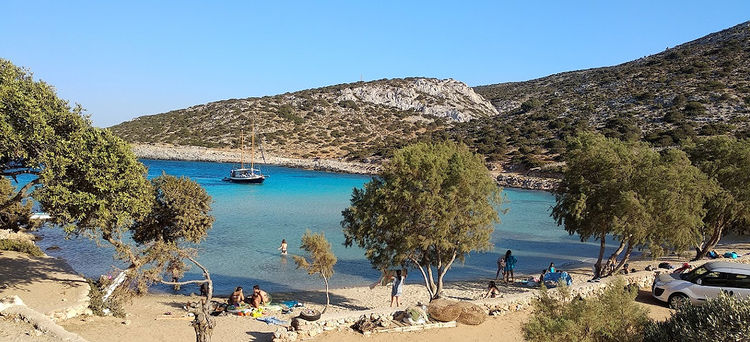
(161, 317)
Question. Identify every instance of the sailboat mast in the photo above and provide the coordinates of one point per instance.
(252, 148)
(242, 151)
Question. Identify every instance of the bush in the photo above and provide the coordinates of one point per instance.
(722, 319)
(22, 246)
(115, 303)
(611, 316)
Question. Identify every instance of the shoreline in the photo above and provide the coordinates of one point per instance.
(205, 154)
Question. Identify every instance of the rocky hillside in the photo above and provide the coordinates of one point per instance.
(697, 88)
(354, 121)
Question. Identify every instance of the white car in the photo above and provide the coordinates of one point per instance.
(702, 283)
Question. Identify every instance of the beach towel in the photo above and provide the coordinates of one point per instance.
(555, 277)
(291, 303)
(272, 320)
(731, 255)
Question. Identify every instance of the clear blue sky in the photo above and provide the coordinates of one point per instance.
(126, 59)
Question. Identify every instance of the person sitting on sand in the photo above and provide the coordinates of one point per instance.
(492, 290)
(237, 296)
(259, 297)
(282, 247)
(551, 268)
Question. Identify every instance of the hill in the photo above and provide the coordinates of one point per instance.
(698, 88)
(356, 120)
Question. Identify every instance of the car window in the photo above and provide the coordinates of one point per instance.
(694, 274)
(714, 279)
(741, 281)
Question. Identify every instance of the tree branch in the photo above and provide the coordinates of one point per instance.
(20, 194)
(184, 282)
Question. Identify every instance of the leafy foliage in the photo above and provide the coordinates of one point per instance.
(22, 246)
(613, 315)
(727, 162)
(15, 214)
(432, 204)
(321, 258)
(626, 189)
(724, 318)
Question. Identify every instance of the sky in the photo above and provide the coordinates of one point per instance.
(123, 59)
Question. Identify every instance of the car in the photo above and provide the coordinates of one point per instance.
(703, 283)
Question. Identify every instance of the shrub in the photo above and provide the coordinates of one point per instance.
(115, 303)
(22, 246)
(694, 108)
(722, 319)
(611, 316)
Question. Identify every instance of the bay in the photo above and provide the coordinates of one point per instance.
(251, 221)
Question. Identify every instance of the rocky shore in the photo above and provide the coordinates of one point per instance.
(195, 153)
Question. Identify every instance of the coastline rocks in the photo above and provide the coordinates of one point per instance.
(514, 180)
(195, 153)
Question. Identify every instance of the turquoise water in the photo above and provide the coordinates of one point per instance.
(251, 220)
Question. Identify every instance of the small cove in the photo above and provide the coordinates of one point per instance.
(251, 220)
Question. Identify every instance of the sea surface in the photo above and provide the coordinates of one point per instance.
(251, 221)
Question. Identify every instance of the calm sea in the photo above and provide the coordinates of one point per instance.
(251, 220)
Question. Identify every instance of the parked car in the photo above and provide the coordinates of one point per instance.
(703, 283)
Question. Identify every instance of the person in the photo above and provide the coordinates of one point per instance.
(398, 287)
(282, 247)
(551, 268)
(259, 297)
(492, 290)
(510, 264)
(237, 296)
(500, 267)
(685, 267)
(204, 289)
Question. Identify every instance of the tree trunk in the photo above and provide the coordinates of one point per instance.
(624, 258)
(431, 279)
(328, 298)
(203, 323)
(441, 273)
(710, 244)
(613, 258)
(598, 265)
(424, 276)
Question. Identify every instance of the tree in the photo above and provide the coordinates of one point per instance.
(726, 161)
(321, 260)
(626, 190)
(16, 214)
(36, 131)
(431, 205)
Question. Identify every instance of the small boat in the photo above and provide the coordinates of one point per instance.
(242, 174)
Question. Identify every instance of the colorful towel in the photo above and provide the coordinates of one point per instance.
(272, 320)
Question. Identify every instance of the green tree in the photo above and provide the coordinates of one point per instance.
(727, 162)
(626, 190)
(431, 205)
(15, 215)
(321, 259)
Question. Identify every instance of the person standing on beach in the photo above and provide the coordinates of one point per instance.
(500, 267)
(510, 264)
(398, 287)
(283, 247)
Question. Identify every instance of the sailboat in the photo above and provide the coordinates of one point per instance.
(243, 175)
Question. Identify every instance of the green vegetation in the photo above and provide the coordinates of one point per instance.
(321, 260)
(645, 199)
(611, 316)
(431, 205)
(22, 246)
(14, 215)
(725, 318)
(727, 162)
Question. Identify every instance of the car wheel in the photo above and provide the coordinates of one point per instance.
(677, 299)
(310, 315)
